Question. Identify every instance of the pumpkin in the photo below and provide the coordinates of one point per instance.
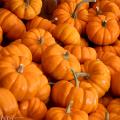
(39, 22)
(56, 61)
(23, 78)
(1, 34)
(56, 113)
(13, 30)
(66, 34)
(108, 6)
(72, 13)
(8, 103)
(16, 49)
(82, 53)
(33, 108)
(37, 40)
(99, 114)
(100, 31)
(114, 106)
(97, 74)
(25, 9)
(80, 92)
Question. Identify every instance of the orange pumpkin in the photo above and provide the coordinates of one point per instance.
(82, 53)
(72, 13)
(117, 2)
(16, 49)
(8, 103)
(103, 29)
(80, 92)
(56, 113)
(98, 75)
(108, 6)
(67, 34)
(1, 34)
(11, 25)
(39, 22)
(57, 62)
(33, 108)
(37, 40)
(24, 9)
(23, 78)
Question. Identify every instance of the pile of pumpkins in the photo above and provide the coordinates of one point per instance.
(60, 59)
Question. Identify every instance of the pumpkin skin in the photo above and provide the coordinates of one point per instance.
(114, 116)
(16, 73)
(57, 62)
(84, 42)
(13, 30)
(108, 6)
(66, 34)
(1, 34)
(37, 40)
(16, 49)
(8, 103)
(100, 31)
(33, 108)
(25, 9)
(99, 114)
(82, 53)
(39, 22)
(78, 18)
(98, 75)
(80, 92)
(116, 2)
(69, 113)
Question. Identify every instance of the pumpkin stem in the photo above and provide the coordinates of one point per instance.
(27, 2)
(104, 23)
(20, 68)
(66, 55)
(54, 20)
(51, 83)
(68, 109)
(77, 82)
(83, 74)
(74, 15)
(107, 116)
(41, 40)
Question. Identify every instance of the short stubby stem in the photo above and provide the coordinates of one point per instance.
(66, 55)
(20, 69)
(104, 23)
(41, 40)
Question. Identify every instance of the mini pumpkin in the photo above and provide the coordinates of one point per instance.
(33, 108)
(66, 34)
(82, 53)
(100, 31)
(37, 40)
(25, 9)
(56, 113)
(56, 61)
(23, 78)
(80, 92)
(97, 74)
(39, 22)
(8, 103)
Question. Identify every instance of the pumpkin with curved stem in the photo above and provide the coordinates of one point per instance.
(99, 29)
(82, 53)
(1, 34)
(33, 108)
(23, 78)
(13, 30)
(16, 49)
(8, 103)
(108, 6)
(25, 9)
(37, 40)
(57, 62)
(80, 92)
(56, 113)
(66, 34)
(97, 74)
(39, 22)
(99, 114)
(72, 13)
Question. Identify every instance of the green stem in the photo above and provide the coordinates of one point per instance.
(20, 68)
(68, 109)
(77, 82)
